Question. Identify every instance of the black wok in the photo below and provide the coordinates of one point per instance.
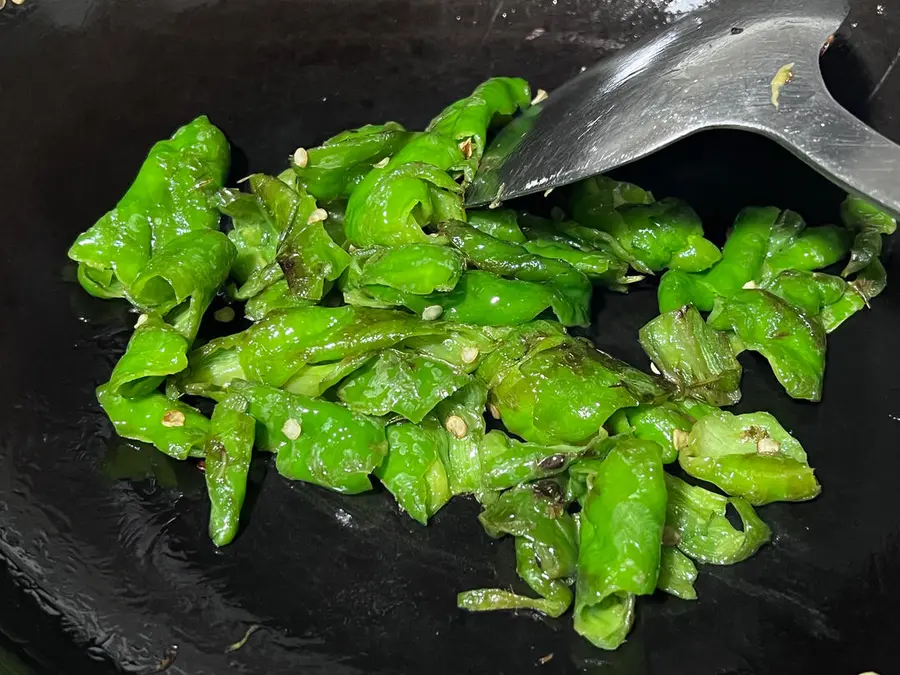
(104, 560)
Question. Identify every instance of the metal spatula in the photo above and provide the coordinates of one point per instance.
(737, 64)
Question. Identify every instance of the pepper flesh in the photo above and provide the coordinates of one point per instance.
(228, 452)
(620, 535)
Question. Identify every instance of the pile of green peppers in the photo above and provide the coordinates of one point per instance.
(381, 321)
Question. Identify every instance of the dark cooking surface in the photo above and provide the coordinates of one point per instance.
(96, 569)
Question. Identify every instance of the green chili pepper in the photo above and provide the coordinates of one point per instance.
(406, 383)
(620, 534)
(154, 351)
(695, 358)
(742, 259)
(171, 196)
(584, 239)
(677, 574)
(678, 289)
(254, 235)
(564, 395)
(462, 415)
(413, 471)
(468, 120)
(593, 203)
(306, 254)
(228, 452)
(132, 402)
(657, 423)
(815, 248)
(315, 380)
(418, 269)
(571, 290)
(275, 296)
(516, 345)
(392, 204)
(546, 549)
(501, 224)
(210, 370)
(749, 456)
(333, 169)
(182, 279)
(594, 198)
(171, 426)
(274, 349)
(792, 343)
(667, 233)
(867, 223)
(316, 441)
(506, 462)
(597, 265)
(401, 201)
(482, 299)
(868, 282)
(697, 525)
(656, 235)
(274, 224)
(811, 292)
(463, 347)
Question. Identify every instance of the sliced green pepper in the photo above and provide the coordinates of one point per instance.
(506, 462)
(274, 349)
(620, 534)
(657, 423)
(546, 549)
(406, 383)
(171, 196)
(867, 223)
(468, 120)
(698, 360)
(418, 269)
(306, 254)
(413, 471)
(868, 283)
(171, 426)
(677, 574)
(462, 415)
(570, 288)
(742, 259)
(564, 395)
(501, 224)
(484, 299)
(814, 248)
(181, 280)
(331, 170)
(228, 452)
(254, 235)
(316, 441)
(749, 456)
(393, 204)
(154, 351)
(792, 342)
(597, 265)
(656, 235)
(696, 524)
(809, 291)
